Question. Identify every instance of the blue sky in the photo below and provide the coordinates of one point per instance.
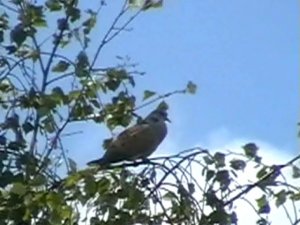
(243, 55)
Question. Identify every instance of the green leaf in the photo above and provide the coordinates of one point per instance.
(136, 3)
(219, 217)
(148, 94)
(62, 24)
(295, 196)
(18, 34)
(5, 86)
(65, 212)
(208, 160)
(223, 178)
(191, 87)
(1, 39)
(73, 165)
(262, 172)
(296, 172)
(59, 95)
(4, 22)
(89, 23)
(43, 111)
(170, 196)
(7, 177)
(73, 13)
(219, 159)
(74, 95)
(163, 105)
(54, 200)
(11, 49)
(191, 188)
(53, 5)
(263, 205)
(49, 124)
(15, 145)
(60, 67)
(27, 127)
(114, 80)
(262, 221)
(3, 140)
(103, 186)
(18, 188)
(39, 180)
(238, 164)
(82, 64)
(280, 198)
(90, 186)
(149, 4)
(157, 4)
(209, 174)
(250, 150)
(34, 16)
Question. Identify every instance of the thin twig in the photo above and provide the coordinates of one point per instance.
(108, 38)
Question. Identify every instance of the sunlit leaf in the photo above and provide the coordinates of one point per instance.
(53, 5)
(54, 199)
(18, 188)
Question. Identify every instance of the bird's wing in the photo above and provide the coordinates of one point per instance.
(140, 140)
(125, 147)
(129, 141)
(133, 131)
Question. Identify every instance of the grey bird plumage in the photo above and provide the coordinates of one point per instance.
(138, 141)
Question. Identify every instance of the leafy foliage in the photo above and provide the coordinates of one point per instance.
(45, 88)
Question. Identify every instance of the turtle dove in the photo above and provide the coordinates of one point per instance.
(138, 141)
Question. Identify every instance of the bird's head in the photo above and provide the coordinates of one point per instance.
(158, 115)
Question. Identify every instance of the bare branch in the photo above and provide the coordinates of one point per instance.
(108, 36)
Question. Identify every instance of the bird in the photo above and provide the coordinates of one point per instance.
(138, 141)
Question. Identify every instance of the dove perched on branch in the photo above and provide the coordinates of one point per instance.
(138, 141)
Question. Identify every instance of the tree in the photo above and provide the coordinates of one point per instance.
(45, 87)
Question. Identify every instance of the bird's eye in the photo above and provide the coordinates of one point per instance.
(154, 119)
(163, 113)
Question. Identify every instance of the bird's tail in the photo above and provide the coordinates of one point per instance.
(97, 162)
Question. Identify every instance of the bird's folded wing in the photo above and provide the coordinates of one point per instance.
(135, 141)
(133, 131)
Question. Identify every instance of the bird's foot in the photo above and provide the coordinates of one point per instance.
(145, 160)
